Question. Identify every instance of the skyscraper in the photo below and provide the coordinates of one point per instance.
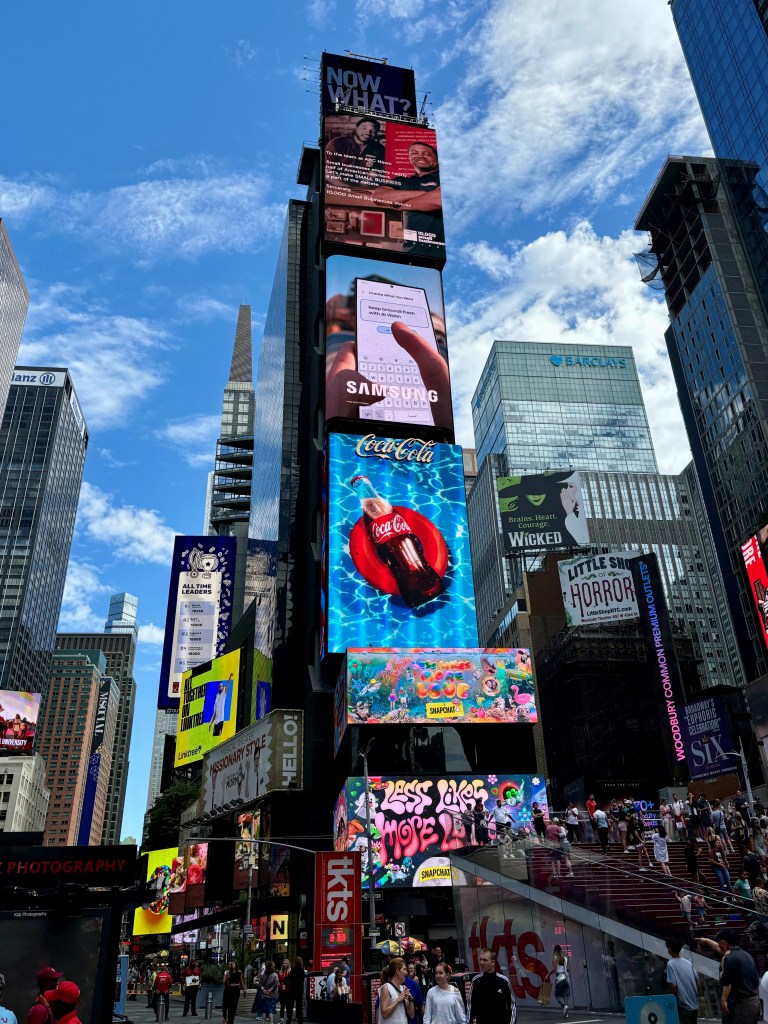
(119, 650)
(43, 442)
(121, 617)
(718, 348)
(14, 302)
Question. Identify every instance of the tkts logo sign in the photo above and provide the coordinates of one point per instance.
(338, 910)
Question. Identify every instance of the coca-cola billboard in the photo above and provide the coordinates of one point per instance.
(754, 563)
(416, 822)
(397, 567)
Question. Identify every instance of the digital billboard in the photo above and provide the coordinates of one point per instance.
(417, 821)
(199, 615)
(19, 711)
(754, 563)
(208, 708)
(542, 511)
(156, 918)
(187, 882)
(381, 185)
(108, 691)
(366, 84)
(598, 588)
(386, 354)
(397, 569)
(430, 686)
(707, 737)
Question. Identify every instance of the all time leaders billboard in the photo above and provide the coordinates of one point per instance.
(598, 588)
(19, 712)
(542, 511)
(199, 615)
(381, 185)
(753, 553)
(370, 85)
(397, 566)
(417, 821)
(385, 343)
(208, 708)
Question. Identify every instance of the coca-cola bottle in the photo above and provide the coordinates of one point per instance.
(397, 546)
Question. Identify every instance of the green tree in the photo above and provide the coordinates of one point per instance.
(164, 820)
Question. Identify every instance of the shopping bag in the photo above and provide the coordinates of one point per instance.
(545, 992)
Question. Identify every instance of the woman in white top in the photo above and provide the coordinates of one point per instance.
(562, 981)
(395, 1001)
(444, 1004)
(661, 850)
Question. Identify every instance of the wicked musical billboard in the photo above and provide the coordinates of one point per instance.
(385, 343)
(381, 185)
(397, 564)
(417, 821)
(542, 511)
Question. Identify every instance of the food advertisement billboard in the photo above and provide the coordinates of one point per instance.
(199, 615)
(754, 562)
(208, 708)
(542, 511)
(19, 711)
(187, 883)
(385, 343)
(707, 738)
(398, 568)
(417, 821)
(367, 85)
(428, 687)
(598, 588)
(381, 185)
(156, 919)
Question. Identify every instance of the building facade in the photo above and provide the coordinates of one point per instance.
(718, 348)
(43, 443)
(14, 303)
(23, 794)
(119, 650)
(121, 617)
(166, 725)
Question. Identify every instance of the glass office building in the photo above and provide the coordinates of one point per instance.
(43, 441)
(14, 302)
(552, 407)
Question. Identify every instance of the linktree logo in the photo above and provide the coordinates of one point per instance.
(615, 362)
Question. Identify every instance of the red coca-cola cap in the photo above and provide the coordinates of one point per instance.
(356, 478)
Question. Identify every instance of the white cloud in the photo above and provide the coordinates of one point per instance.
(151, 635)
(575, 288)
(243, 53)
(194, 438)
(134, 534)
(319, 12)
(82, 587)
(560, 101)
(204, 307)
(18, 198)
(67, 328)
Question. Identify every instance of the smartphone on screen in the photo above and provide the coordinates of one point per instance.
(382, 361)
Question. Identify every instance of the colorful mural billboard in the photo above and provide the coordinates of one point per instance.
(156, 918)
(397, 562)
(417, 821)
(432, 686)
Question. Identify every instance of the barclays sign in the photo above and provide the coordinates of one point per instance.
(613, 362)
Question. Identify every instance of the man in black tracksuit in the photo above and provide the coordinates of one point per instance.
(490, 995)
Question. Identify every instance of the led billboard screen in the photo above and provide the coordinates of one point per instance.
(542, 511)
(398, 567)
(417, 821)
(19, 712)
(208, 708)
(707, 738)
(187, 882)
(156, 919)
(598, 588)
(427, 687)
(385, 343)
(381, 185)
(754, 563)
(199, 613)
(369, 85)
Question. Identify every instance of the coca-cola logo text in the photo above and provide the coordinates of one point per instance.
(412, 449)
(386, 528)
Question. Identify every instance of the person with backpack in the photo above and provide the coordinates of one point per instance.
(269, 984)
(562, 981)
(161, 988)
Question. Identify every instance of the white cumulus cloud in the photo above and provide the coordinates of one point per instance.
(131, 533)
(82, 589)
(194, 438)
(151, 635)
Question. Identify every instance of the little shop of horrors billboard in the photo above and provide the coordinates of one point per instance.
(598, 588)
(417, 821)
(428, 686)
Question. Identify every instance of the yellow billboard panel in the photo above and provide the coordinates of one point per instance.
(156, 920)
(207, 708)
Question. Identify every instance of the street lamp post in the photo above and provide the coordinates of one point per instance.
(373, 931)
(745, 771)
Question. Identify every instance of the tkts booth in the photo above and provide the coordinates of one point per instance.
(62, 907)
(338, 933)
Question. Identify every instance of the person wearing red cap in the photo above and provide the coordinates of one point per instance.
(40, 1011)
(63, 1001)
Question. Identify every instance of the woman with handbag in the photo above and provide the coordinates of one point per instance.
(559, 971)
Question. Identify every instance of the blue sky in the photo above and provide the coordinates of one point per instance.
(147, 156)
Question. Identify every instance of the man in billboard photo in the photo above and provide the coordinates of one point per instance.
(419, 196)
(219, 716)
(357, 158)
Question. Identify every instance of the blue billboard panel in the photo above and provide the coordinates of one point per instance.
(417, 821)
(398, 571)
(199, 615)
(106, 688)
(707, 738)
